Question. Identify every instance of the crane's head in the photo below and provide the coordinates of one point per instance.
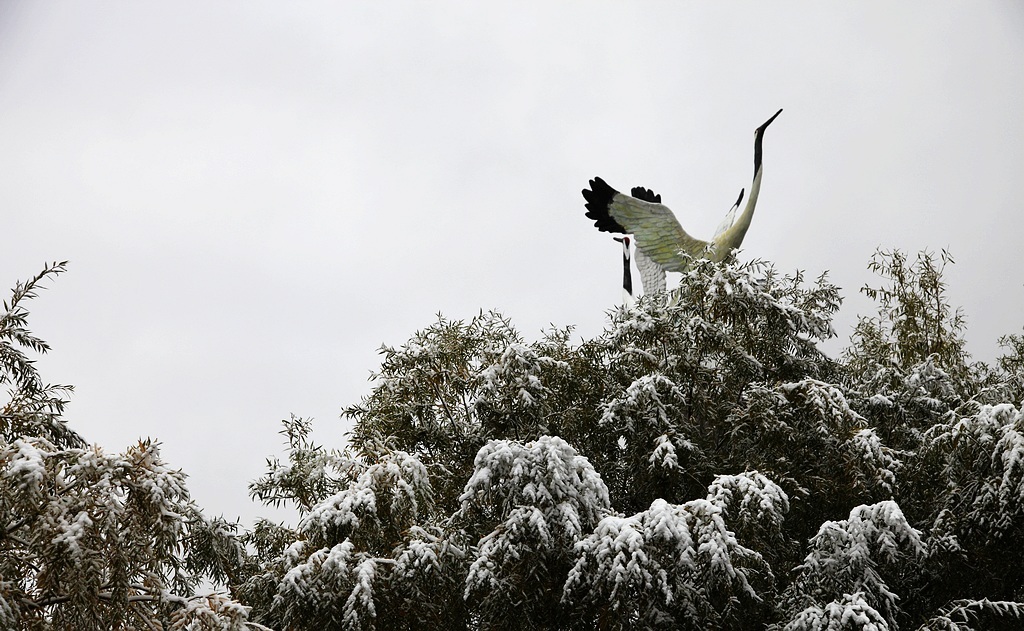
(760, 130)
(624, 240)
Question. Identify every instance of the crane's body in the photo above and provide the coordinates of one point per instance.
(661, 243)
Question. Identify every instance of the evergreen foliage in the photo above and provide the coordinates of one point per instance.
(93, 540)
(699, 464)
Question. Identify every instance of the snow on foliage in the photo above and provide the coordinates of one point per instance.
(212, 612)
(326, 582)
(664, 454)
(425, 555)
(542, 498)
(390, 493)
(427, 577)
(649, 420)
(876, 464)
(830, 412)
(494, 483)
(983, 461)
(26, 469)
(335, 569)
(91, 530)
(728, 289)
(930, 385)
(750, 501)
(426, 389)
(547, 474)
(964, 615)
(311, 474)
(90, 539)
(647, 416)
(359, 605)
(677, 564)
(1009, 450)
(852, 556)
(653, 400)
(746, 318)
(512, 390)
(848, 613)
(808, 430)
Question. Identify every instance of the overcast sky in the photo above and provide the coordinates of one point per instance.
(254, 196)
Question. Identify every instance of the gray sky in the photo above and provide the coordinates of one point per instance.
(254, 196)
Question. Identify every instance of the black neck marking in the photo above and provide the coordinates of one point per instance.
(627, 276)
(758, 135)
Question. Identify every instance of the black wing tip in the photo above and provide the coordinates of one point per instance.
(740, 198)
(645, 195)
(599, 198)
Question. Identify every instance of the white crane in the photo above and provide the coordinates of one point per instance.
(661, 243)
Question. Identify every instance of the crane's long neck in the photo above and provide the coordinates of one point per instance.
(627, 274)
(733, 237)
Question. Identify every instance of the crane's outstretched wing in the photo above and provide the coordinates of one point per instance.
(729, 219)
(652, 275)
(654, 227)
(645, 194)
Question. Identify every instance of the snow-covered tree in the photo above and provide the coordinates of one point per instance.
(532, 503)
(915, 320)
(677, 566)
(91, 539)
(844, 572)
(909, 361)
(701, 463)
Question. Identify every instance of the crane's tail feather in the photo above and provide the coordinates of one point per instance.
(599, 198)
(730, 217)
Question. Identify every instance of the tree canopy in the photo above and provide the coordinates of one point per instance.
(699, 464)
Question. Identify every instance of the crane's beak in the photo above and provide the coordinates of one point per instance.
(767, 122)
